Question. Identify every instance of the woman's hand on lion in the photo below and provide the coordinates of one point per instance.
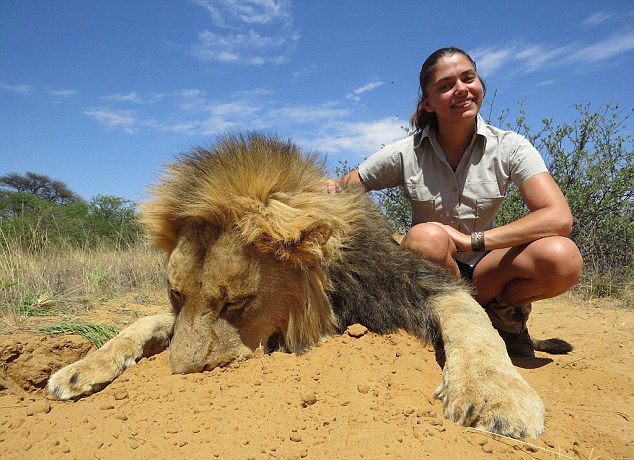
(331, 186)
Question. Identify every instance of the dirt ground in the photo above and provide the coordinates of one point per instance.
(366, 397)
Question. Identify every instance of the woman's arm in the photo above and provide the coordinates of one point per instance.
(352, 178)
(549, 216)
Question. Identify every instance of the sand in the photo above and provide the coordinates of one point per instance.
(352, 397)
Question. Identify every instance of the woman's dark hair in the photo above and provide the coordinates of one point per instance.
(421, 117)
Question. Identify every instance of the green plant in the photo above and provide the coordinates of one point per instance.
(96, 333)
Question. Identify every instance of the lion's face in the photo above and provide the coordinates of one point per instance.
(229, 299)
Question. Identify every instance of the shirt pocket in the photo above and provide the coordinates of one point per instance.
(423, 203)
(486, 209)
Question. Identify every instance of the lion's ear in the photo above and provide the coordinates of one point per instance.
(288, 232)
(308, 249)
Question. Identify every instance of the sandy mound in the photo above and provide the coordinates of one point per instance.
(350, 397)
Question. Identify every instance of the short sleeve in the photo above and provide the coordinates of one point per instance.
(524, 161)
(383, 169)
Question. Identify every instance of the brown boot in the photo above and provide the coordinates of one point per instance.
(510, 322)
(518, 345)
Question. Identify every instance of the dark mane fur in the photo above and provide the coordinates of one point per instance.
(390, 295)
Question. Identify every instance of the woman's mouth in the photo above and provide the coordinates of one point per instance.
(462, 104)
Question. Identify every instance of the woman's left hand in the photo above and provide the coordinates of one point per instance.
(462, 241)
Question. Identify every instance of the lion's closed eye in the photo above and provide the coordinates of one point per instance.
(176, 298)
(238, 303)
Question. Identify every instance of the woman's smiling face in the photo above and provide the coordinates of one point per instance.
(455, 91)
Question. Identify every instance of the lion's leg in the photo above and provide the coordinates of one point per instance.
(480, 387)
(92, 373)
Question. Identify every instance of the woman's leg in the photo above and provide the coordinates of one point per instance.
(520, 275)
(507, 280)
(431, 242)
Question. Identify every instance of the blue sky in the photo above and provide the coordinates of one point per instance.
(102, 94)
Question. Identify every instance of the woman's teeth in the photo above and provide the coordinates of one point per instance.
(462, 104)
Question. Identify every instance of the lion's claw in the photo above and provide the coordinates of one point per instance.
(503, 404)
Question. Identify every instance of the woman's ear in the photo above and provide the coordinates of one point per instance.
(426, 105)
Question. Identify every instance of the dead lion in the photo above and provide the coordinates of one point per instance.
(260, 256)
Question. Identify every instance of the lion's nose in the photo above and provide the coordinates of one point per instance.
(185, 359)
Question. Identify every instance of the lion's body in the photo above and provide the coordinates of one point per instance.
(259, 251)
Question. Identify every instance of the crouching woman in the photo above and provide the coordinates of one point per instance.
(455, 170)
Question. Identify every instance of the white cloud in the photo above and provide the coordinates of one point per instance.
(605, 49)
(130, 97)
(20, 88)
(63, 93)
(239, 108)
(357, 137)
(304, 71)
(252, 32)
(490, 59)
(596, 19)
(545, 83)
(363, 89)
(534, 57)
(368, 87)
(224, 12)
(244, 48)
(114, 119)
(307, 113)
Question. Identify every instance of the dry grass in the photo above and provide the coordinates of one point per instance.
(62, 280)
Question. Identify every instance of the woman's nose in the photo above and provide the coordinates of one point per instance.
(461, 87)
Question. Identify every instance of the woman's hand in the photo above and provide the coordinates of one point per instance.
(462, 241)
(331, 186)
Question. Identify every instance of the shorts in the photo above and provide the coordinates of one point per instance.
(466, 270)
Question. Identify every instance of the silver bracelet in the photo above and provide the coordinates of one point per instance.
(477, 241)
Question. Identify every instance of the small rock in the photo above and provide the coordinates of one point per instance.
(435, 422)
(121, 416)
(408, 411)
(308, 399)
(106, 406)
(201, 409)
(363, 388)
(295, 437)
(39, 407)
(487, 449)
(120, 394)
(357, 330)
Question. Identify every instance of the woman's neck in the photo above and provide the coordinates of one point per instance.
(454, 138)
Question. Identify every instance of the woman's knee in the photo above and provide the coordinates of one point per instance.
(559, 258)
(429, 239)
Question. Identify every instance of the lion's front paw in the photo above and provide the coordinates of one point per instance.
(491, 399)
(83, 377)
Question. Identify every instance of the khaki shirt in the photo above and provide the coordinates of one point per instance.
(468, 199)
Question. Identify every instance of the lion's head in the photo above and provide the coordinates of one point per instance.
(248, 229)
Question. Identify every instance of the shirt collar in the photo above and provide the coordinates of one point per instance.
(480, 131)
